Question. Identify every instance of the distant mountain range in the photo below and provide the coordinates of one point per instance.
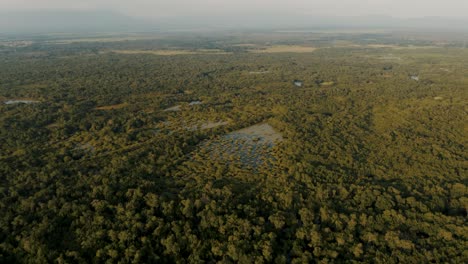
(104, 21)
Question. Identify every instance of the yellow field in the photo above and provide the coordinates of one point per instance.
(379, 46)
(245, 45)
(254, 49)
(262, 130)
(171, 52)
(327, 83)
(102, 39)
(284, 48)
(112, 107)
(349, 44)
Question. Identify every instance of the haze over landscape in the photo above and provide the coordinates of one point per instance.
(248, 131)
(144, 15)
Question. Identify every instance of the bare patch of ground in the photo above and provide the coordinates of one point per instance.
(259, 72)
(171, 52)
(263, 131)
(250, 147)
(155, 52)
(20, 101)
(16, 43)
(284, 49)
(173, 108)
(379, 46)
(112, 107)
(179, 107)
(327, 83)
(245, 45)
(195, 103)
(102, 39)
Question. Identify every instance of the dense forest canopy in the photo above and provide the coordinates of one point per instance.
(203, 147)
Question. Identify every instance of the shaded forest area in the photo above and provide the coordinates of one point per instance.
(372, 165)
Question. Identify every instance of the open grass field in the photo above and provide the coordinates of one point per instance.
(171, 52)
(112, 107)
(284, 49)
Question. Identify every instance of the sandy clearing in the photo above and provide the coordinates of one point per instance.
(379, 46)
(171, 52)
(173, 108)
(284, 48)
(265, 131)
(327, 83)
(259, 72)
(20, 101)
(245, 45)
(112, 107)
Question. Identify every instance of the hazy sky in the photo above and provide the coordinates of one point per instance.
(178, 8)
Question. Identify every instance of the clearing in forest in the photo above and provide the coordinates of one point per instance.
(329, 83)
(284, 48)
(195, 103)
(173, 108)
(171, 52)
(398, 47)
(247, 147)
(245, 45)
(179, 107)
(181, 125)
(264, 132)
(112, 107)
(21, 101)
(259, 72)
